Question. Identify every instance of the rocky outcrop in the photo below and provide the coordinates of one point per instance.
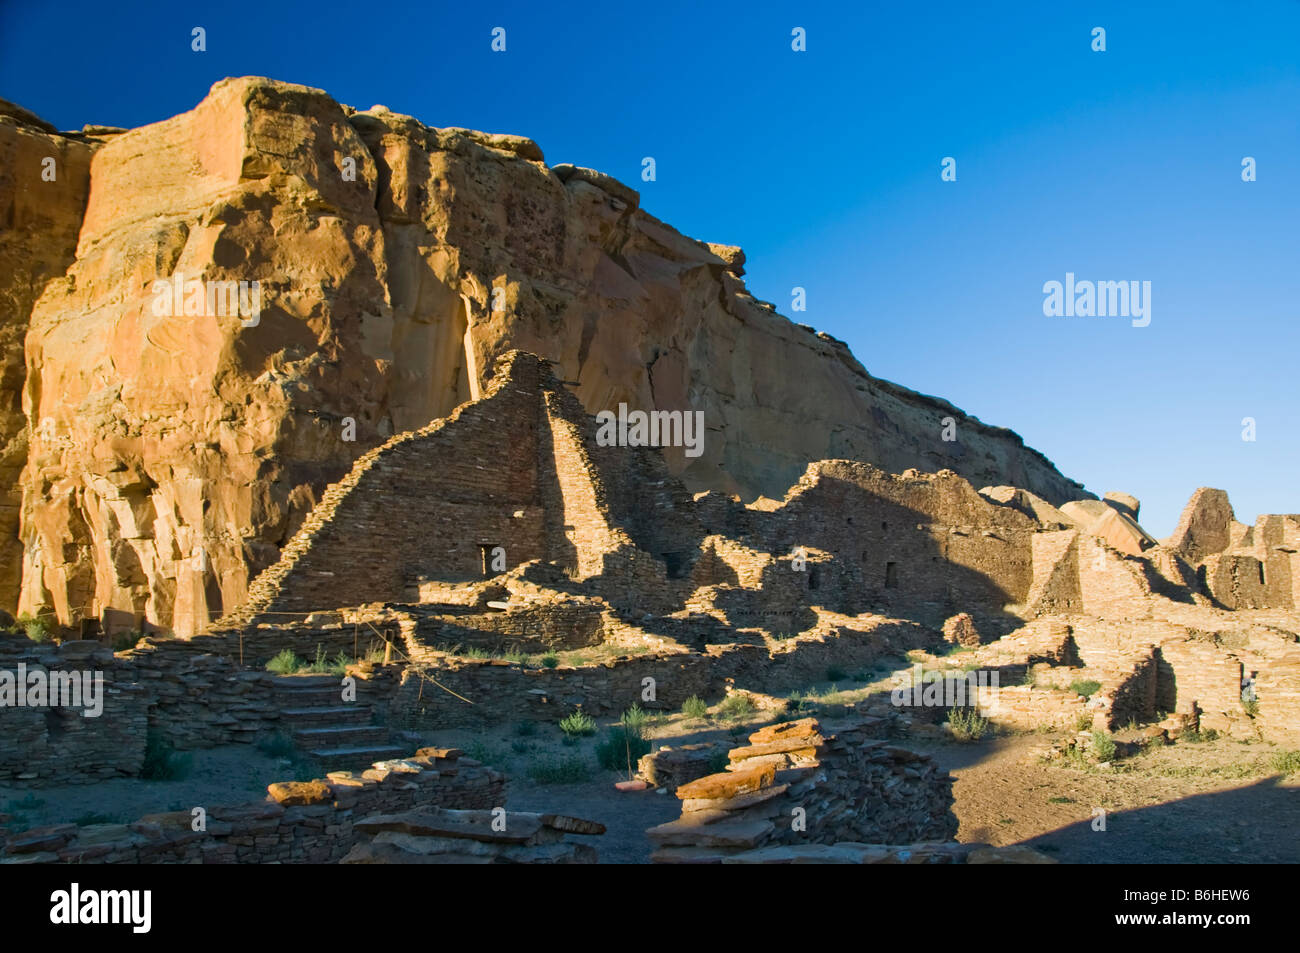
(178, 442)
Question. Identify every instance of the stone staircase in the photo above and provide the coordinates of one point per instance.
(338, 735)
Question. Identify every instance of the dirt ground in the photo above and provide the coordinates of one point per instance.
(230, 775)
(1190, 802)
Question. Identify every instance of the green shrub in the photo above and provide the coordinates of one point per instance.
(526, 729)
(836, 674)
(621, 749)
(967, 724)
(1103, 746)
(718, 762)
(1250, 706)
(28, 802)
(578, 724)
(564, 770)
(86, 820)
(162, 762)
(736, 706)
(320, 665)
(277, 745)
(1086, 687)
(1197, 736)
(1083, 722)
(695, 707)
(36, 629)
(636, 719)
(125, 641)
(520, 746)
(285, 663)
(1287, 762)
(550, 660)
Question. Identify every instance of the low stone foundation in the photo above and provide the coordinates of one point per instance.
(311, 822)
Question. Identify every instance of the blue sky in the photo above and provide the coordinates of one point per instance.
(825, 166)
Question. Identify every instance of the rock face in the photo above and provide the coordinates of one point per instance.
(44, 181)
(177, 442)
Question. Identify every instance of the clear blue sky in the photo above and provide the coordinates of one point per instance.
(824, 165)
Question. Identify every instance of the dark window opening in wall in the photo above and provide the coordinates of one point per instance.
(812, 577)
(891, 575)
(491, 552)
(884, 527)
(864, 555)
(1261, 574)
(676, 565)
(849, 520)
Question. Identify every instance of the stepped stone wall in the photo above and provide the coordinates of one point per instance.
(193, 694)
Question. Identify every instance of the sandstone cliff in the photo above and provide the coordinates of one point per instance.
(172, 455)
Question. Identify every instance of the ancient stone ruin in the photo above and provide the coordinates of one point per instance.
(397, 462)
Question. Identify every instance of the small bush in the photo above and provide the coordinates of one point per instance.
(621, 749)
(520, 746)
(635, 719)
(36, 629)
(125, 641)
(28, 802)
(162, 762)
(1250, 706)
(1083, 722)
(1197, 736)
(320, 665)
(86, 820)
(1030, 679)
(967, 724)
(550, 660)
(1287, 762)
(579, 724)
(800, 704)
(718, 763)
(736, 706)
(1103, 746)
(836, 674)
(278, 745)
(285, 663)
(526, 729)
(1086, 687)
(565, 770)
(695, 707)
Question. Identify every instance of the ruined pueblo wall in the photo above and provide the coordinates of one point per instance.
(914, 539)
(172, 456)
(425, 504)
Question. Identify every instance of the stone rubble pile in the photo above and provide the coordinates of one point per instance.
(670, 768)
(795, 785)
